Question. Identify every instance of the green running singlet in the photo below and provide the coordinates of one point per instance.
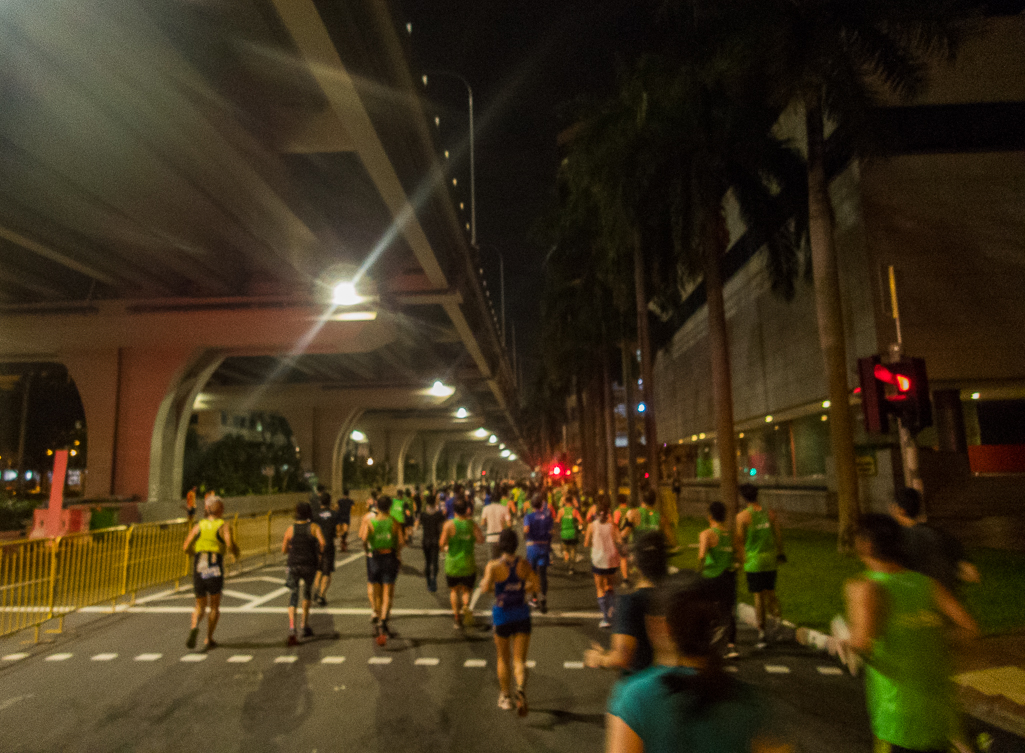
(759, 543)
(382, 534)
(650, 520)
(398, 510)
(569, 524)
(460, 562)
(719, 558)
(907, 685)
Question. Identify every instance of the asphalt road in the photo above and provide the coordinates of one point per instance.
(126, 682)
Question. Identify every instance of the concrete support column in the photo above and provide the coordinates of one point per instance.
(96, 375)
(381, 450)
(403, 443)
(433, 449)
(331, 431)
(453, 465)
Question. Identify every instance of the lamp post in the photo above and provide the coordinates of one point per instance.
(473, 175)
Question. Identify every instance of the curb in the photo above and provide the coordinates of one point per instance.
(996, 710)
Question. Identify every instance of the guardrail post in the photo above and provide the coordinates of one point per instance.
(52, 586)
(124, 568)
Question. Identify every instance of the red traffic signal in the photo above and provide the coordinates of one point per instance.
(900, 388)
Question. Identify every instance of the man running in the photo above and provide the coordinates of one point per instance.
(327, 521)
(494, 519)
(570, 523)
(432, 518)
(458, 538)
(761, 547)
(538, 526)
(619, 517)
(928, 550)
(208, 539)
(896, 625)
(716, 564)
(344, 518)
(304, 544)
(648, 518)
(382, 537)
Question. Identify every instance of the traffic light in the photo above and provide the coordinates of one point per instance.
(900, 388)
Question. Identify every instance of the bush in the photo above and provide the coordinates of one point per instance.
(16, 514)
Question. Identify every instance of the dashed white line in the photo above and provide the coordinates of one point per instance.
(332, 660)
(829, 670)
(104, 657)
(379, 660)
(475, 663)
(240, 658)
(193, 658)
(15, 657)
(427, 661)
(531, 664)
(572, 665)
(288, 659)
(148, 657)
(777, 669)
(58, 657)
(731, 669)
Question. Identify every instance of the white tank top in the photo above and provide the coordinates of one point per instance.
(604, 554)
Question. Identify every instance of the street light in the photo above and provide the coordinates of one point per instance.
(473, 178)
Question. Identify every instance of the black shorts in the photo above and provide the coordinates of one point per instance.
(344, 522)
(301, 575)
(207, 580)
(382, 568)
(512, 628)
(207, 586)
(604, 570)
(467, 581)
(570, 542)
(763, 581)
(327, 561)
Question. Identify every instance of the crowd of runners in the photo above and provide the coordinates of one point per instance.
(670, 631)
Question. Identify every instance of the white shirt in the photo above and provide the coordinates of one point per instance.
(494, 518)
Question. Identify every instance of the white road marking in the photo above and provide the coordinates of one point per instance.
(160, 595)
(260, 578)
(17, 699)
(240, 595)
(148, 657)
(336, 611)
(379, 660)
(193, 658)
(15, 657)
(777, 669)
(350, 558)
(332, 660)
(572, 665)
(531, 663)
(732, 669)
(427, 661)
(240, 658)
(104, 657)
(475, 663)
(829, 670)
(287, 659)
(264, 599)
(58, 657)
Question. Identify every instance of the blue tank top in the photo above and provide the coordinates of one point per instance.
(510, 599)
(539, 528)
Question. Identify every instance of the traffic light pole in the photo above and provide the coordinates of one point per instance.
(908, 447)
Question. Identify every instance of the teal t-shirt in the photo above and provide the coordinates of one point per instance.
(669, 722)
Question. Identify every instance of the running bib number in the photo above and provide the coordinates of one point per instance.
(205, 568)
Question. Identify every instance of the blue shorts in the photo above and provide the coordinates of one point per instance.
(538, 556)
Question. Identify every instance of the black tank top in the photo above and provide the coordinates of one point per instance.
(302, 550)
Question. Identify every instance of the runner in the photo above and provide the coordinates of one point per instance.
(511, 577)
(761, 546)
(382, 538)
(715, 562)
(603, 538)
(190, 505)
(208, 539)
(896, 624)
(431, 521)
(327, 521)
(345, 504)
(304, 544)
(538, 526)
(619, 517)
(458, 537)
(648, 518)
(494, 519)
(631, 649)
(929, 550)
(409, 519)
(570, 524)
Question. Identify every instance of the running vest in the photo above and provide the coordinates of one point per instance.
(619, 516)
(302, 550)
(604, 554)
(759, 543)
(459, 562)
(650, 520)
(398, 510)
(719, 558)
(210, 536)
(569, 524)
(510, 601)
(382, 535)
(539, 528)
(907, 686)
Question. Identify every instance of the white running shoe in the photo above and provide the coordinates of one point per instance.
(604, 624)
(505, 702)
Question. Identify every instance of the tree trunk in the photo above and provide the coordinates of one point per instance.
(587, 469)
(644, 343)
(629, 386)
(830, 318)
(716, 243)
(611, 461)
(596, 412)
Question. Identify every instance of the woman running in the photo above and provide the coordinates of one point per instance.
(569, 525)
(511, 577)
(603, 538)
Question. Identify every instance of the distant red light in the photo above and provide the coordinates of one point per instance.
(556, 471)
(645, 475)
(903, 383)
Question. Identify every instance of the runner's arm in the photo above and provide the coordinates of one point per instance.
(400, 536)
(951, 607)
(704, 544)
(319, 536)
(364, 526)
(286, 540)
(777, 534)
(445, 534)
(191, 538)
(486, 582)
(588, 535)
(619, 656)
(229, 541)
(619, 738)
(531, 582)
(864, 613)
(478, 534)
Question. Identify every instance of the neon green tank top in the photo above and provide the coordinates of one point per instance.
(759, 543)
(382, 534)
(459, 562)
(398, 510)
(907, 685)
(719, 558)
(569, 526)
(650, 520)
(209, 535)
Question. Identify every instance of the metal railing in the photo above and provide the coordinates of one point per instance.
(45, 579)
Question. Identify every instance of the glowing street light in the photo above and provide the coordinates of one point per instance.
(358, 436)
(370, 461)
(462, 413)
(505, 453)
(512, 456)
(344, 294)
(481, 433)
(492, 439)
(439, 389)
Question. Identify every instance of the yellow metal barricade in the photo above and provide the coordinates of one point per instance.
(155, 556)
(89, 569)
(26, 584)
